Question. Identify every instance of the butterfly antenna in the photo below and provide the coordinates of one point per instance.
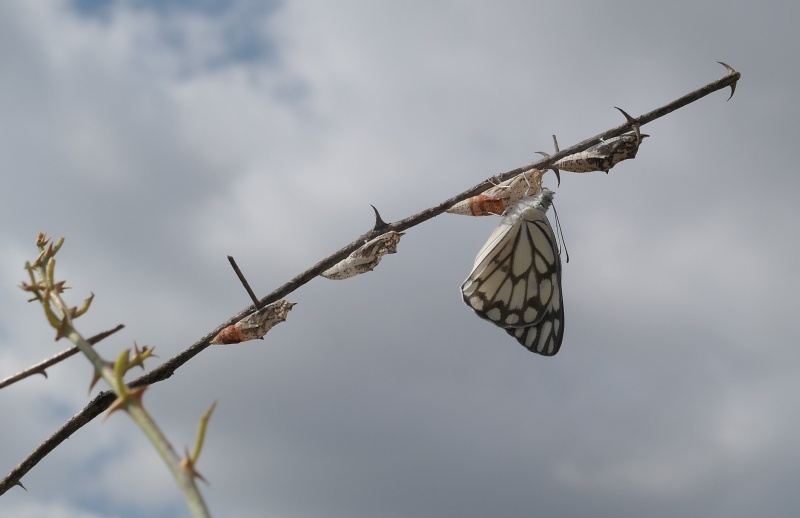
(560, 235)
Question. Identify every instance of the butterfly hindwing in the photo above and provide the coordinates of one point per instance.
(544, 337)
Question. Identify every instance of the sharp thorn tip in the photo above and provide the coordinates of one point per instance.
(630, 119)
(727, 67)
(633, 123)
(733, 90)
(558, 175)
(378, 220)
(730, 70)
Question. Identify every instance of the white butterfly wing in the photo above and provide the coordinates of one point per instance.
(545, 337)
(516, 280)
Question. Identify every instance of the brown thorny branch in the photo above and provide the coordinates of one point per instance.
(101, 402)
(40, 368)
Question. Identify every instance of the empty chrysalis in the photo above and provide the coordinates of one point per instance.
(255, 325)
(497, 199)
(364, 258)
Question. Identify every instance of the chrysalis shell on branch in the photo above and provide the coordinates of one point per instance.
(255, 325)
(495, 200)
(602, 156)
(365, 258)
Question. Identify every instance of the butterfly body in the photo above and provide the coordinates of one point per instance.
(515, 282)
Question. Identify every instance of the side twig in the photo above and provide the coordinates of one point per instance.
(39, 368)
(244, 282)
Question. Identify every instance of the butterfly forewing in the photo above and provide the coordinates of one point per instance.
(516, 280)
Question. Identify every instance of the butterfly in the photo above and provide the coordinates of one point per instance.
(516, 280)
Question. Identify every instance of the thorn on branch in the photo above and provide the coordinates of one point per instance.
(731, 71)
(133, 397)
(634, 125)
(379, 223)
(63, 328)
(96, 375)
(553, 166)
(187, 465)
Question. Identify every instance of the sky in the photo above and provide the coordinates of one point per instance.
(160, 137)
